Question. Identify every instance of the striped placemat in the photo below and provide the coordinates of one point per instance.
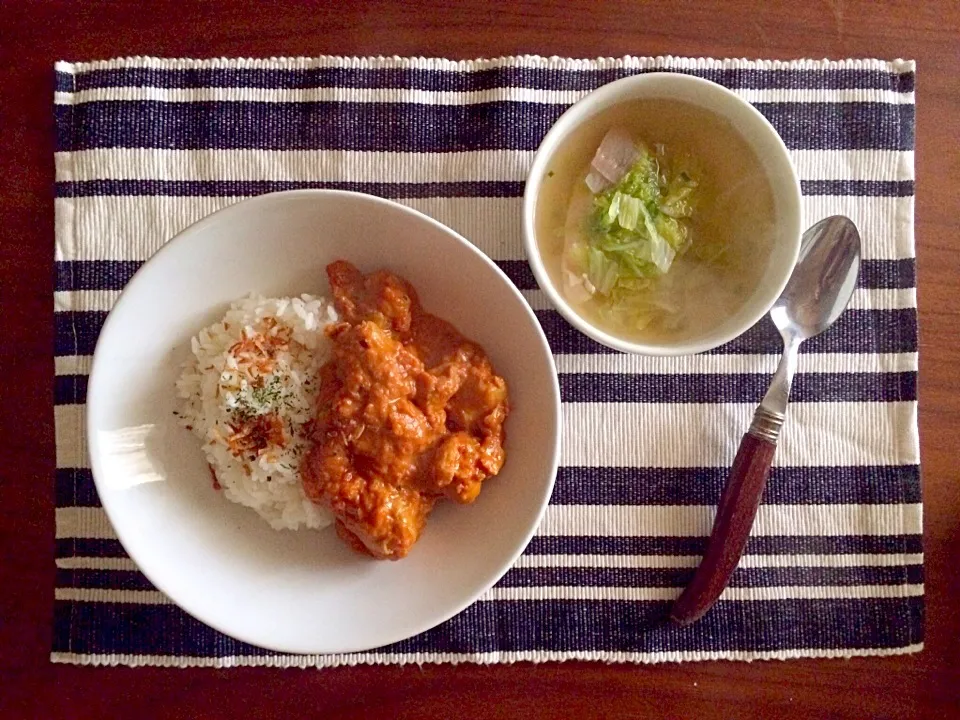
(835, 564)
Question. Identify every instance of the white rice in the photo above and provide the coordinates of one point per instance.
(218, 385)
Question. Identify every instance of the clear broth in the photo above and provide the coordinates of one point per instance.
(736, 207)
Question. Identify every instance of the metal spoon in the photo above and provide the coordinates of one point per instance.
(818, 291)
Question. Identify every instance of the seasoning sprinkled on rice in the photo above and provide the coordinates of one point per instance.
(249, 390)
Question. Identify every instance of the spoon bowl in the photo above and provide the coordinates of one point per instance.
(822, 281)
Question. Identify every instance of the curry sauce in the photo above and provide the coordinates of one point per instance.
(409, 412)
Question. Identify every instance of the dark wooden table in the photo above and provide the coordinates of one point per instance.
(35, 34)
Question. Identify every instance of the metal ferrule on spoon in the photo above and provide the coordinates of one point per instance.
(817, 292)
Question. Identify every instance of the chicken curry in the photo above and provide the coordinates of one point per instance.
(409, 412)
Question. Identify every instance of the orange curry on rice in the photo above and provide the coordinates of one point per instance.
(409, 412)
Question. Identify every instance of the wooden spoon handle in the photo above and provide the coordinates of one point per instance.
(735, 515)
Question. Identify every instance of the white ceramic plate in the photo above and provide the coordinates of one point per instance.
(305, 591)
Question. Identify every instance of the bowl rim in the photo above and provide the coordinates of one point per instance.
(563, 125)
(95, 381)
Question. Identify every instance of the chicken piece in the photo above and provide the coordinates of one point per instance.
(381, 297)
(367, 439)
(481, 394)
(381, 518)
(409, 412)
(456, 467)
(385, 519)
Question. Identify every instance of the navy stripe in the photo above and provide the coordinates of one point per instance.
(632, 545)
(388, 127)
(70, 389)
(250, 188)
(75, 333)
(533, 625)
(842, 126)
(679, 577)
(519, 273)
(103, 579)
(868, 485)
(701, 486)
(655, 388)
(593, 577)
(447, 81)
(861, 188)
(88, 547)
(74, 487)
(395, 127)
(114, 274)
(399, 190)
(888, 274)
(856, 331)
(64, 81)
(741, 387)
(94, 274)
(756, 545)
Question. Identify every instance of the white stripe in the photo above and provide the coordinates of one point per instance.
(884, 299)
(676, 561)
(679, 434)
(898, 66)
(434, 97)
(870, 299)
(83, 522)
(355, 95)
(707, 435)
(536, 656)
(666, 435)
(370, 166)
(863, 299)
(70, 435)
(697, 520)
(134, 228)
(507, 594)
(853, 164)
(609, 561)
(641, 520)
(73, 364)
(885, 223)
(84, 300)
(127, 597)
(623, 363)
(97, 563)
(299, 165)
